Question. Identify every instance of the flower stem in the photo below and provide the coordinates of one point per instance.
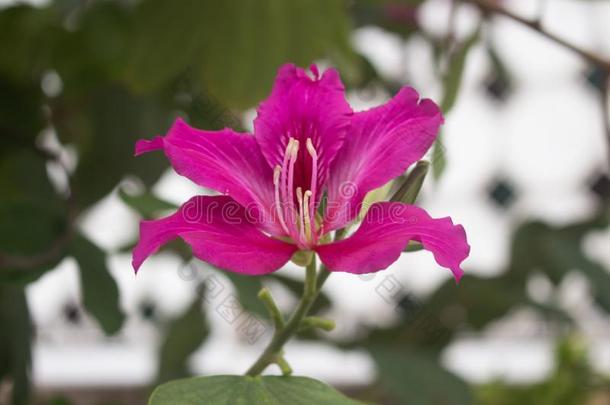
(311, 290)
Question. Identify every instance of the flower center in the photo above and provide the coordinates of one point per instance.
(296, 218)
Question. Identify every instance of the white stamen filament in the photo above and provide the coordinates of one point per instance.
(314, 178)
(278, 205)
(301, 221)
(290, 186)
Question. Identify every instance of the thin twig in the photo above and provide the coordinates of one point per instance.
(534, 24)
(605, 104)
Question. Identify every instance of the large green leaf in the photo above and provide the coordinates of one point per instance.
(244, 390)
(100, 292)
(236, 46)
(184, 335)
(15, 338)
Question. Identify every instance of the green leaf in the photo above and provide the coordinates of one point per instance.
(184, 335)
(245, 390)
(15, 339)
(418, 378)
(145, 203)
(100, 292)
(411, 186)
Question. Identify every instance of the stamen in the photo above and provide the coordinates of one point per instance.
(290, 200)
(301, 221)
(277, 171)
(283, 188)
(314, 177)
(306, 217)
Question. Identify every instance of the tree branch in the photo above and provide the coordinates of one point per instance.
(489, 7)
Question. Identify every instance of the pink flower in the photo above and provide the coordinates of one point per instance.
(307, 143)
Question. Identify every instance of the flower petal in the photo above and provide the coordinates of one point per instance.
(220, 232)
(302, 107)
(380, 145)
(385, 232)
(225, 161)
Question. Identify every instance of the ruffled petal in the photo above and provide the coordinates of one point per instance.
(380, 145)
(225, 161)
(385, 232)
(220, 232)
(303, 107)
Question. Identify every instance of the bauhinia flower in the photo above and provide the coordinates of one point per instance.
(308, 146)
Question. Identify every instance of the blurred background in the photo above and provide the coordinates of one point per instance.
(522, 163)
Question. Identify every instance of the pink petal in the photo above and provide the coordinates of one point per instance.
(220, 232)
(303, 107)
(225, 161)
(385, 232)
(379, 146)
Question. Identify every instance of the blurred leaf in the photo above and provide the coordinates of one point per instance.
(452, 82)
(418, 378)
(21, 115)
(95, 50)
(26, 42)
(439, 162)
(557, 251)
(15, 338)
(100, 291)
(233, 389)
(146, 203)
(570, 383)
(105, 125)
(399, 17)
(247, 288)
(455, 72)
(29, 228)
(235, 46)
(184, 335)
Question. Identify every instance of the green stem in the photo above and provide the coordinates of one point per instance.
(311, 291)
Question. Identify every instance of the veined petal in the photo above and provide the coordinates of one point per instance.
(385, 232)
(220, 232)
(302, 107)
(380, 145)
(225, 161)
